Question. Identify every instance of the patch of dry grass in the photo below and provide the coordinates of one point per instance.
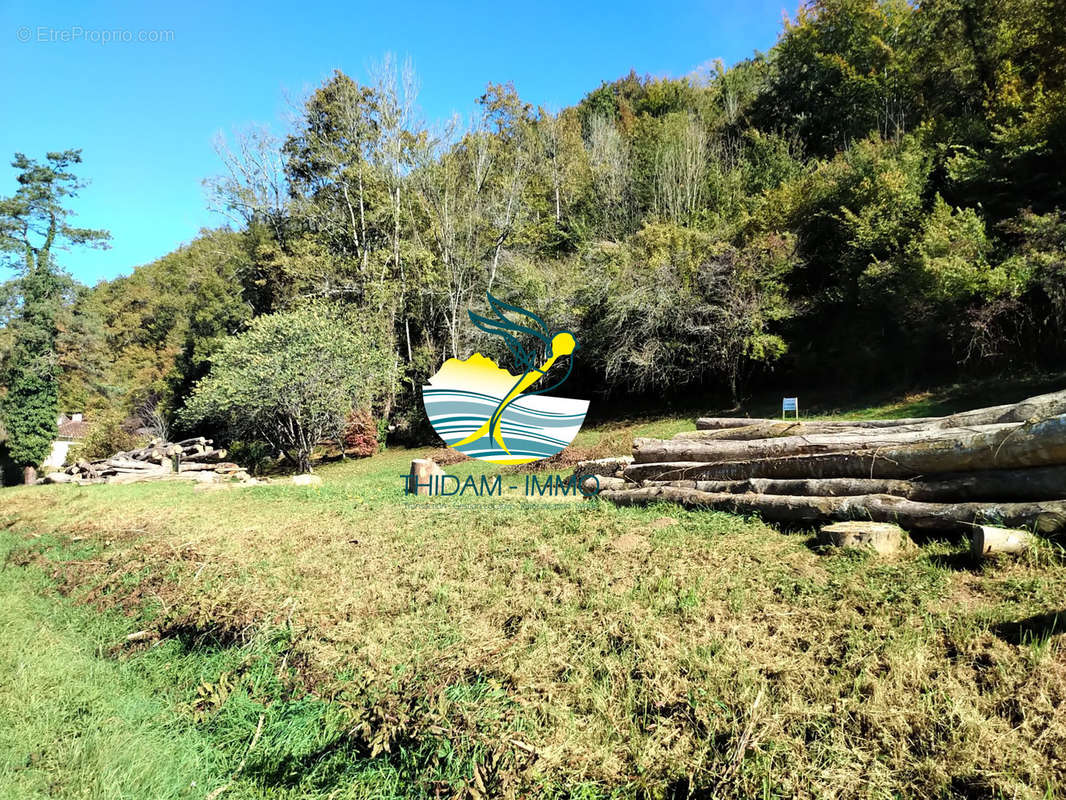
(578, 649)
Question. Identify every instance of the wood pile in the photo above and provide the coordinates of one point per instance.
(190, 459)
(1004, 465)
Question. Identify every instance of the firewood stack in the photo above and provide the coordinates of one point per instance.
(191, 459)
(1004, 465)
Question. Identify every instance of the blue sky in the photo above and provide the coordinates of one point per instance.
(145, 113)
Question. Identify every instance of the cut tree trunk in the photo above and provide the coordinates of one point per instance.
(808, 487)
(988, 540)
(1036, 444)
(129, 463)
(207, 453)
(138, 476)
(603, 466)
(1003, 485)
(652, 450)
(773, 429)
(593, 483)
(770, 428)
(1046, 517)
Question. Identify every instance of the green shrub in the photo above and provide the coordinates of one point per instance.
(256, 457)
(107, 436)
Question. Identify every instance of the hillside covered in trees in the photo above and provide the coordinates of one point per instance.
(880, 198)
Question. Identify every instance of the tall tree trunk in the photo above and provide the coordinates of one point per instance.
(775, 428)
(362, 220)
(713, 452)
(992, 485)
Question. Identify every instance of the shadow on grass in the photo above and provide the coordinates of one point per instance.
(1036, 628)
(959, 561)
(682, 789)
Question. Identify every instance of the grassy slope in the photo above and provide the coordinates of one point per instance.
(914, 403)
(558, 648)
(76, 724)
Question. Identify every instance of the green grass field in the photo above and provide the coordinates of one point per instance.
(347, 642)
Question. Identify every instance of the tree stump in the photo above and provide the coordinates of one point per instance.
(424, 477)
(988, 541)
(882, 537)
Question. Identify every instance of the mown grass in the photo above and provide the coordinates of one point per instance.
(505, 647)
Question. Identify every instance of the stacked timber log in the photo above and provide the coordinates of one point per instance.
(191, 459)
(1004, 465)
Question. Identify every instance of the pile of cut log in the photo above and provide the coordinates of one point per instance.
(191, 459)
(1004, 465)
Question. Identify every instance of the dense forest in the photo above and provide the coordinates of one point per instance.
(878, 199)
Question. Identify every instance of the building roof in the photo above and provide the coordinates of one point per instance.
(73, 430)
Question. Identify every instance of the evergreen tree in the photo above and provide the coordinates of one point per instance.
(33, 222)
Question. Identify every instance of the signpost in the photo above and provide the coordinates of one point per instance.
(790, 404)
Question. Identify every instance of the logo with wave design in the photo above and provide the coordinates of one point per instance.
(489, 413)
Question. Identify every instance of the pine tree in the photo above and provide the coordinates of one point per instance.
(32, 223)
